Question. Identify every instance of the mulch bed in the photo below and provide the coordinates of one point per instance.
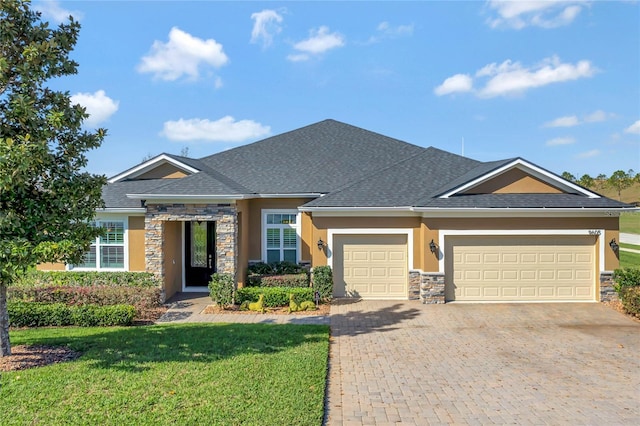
(235, 310)
(30, 356)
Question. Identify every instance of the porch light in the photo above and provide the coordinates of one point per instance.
(433, 247)
(320, 244)
(614, 245)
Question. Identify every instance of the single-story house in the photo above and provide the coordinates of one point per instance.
(392, 219)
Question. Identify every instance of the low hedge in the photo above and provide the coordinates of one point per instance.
(102, 295)
(273, 296)
(630, 299)
(86, 279)
(288, 280)
(275, 268)
(34, 314)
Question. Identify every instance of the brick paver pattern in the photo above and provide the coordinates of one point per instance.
(402, 362)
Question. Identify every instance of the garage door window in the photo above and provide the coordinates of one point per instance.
(281, 236)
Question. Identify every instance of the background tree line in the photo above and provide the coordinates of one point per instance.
(619, 180)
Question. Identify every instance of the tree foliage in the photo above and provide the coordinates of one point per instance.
(586, 181)
(568, 176)
(46, 199)
(620, 180)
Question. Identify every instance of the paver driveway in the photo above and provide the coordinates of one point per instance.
(557, 363)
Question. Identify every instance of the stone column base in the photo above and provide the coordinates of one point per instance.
(426, 286)
(607, 293)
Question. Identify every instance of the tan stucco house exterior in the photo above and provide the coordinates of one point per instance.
(392, 219)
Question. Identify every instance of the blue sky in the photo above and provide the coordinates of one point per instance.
(557, 83)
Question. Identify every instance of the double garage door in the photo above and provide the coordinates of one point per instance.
(520, 268)
(477, 268)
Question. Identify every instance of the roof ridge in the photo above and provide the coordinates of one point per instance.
(379, 171)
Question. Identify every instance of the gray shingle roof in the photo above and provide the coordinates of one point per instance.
(317, 158)
(521, 201)
(115, 194)
(352, 166)
(402, 183)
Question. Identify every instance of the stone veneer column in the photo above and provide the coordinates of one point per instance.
(225, 216)
(153, 244)
(607, 293)
(432, 287)
(414, 285)
(226, 232)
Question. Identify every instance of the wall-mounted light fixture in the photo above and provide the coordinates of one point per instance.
(320, 244)
(433, 247)
(614, 245)
(143, 203)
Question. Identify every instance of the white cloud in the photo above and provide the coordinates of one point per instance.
(598, 116)
(226, 129)
(319, 41)
(589, 154)
(512, 78)
(543, 14)
(572, 120)
(265, 25)
(53, 11)
(634, 128)
(458, 83)
(560, 141)
(183, 54)
(98, 105)
(568, 121)
(387, 31)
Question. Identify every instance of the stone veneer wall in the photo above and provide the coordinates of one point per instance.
(224, 215)
(607, 293)
(426, 286)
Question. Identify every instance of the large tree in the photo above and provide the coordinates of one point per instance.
(47, 200)
(620, 180)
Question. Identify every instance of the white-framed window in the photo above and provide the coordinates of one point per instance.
(108, 251)
(280, 236)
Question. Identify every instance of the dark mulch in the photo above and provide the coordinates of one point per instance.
(284, 310)
(30, 356)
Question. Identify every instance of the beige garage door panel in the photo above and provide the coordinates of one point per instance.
(521, 268)
(370, 266)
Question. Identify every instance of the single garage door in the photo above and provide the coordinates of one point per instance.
(520, 268)
(370, 266)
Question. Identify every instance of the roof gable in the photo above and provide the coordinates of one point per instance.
(514, 176)
(159, 167)
(514, 181)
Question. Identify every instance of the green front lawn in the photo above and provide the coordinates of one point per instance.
(187, 374)
(629, 259)
(630, 223)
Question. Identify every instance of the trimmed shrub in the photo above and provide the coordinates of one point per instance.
(140, 297)
(34, 314)
(273, 296)
(630, 299)
(627, 277)
(275, 268)
(323, 281)
(259, 268)
(290, 280)
(221, 289)
(86, 279)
